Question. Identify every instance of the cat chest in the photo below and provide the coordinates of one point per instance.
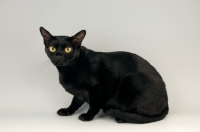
(72, 86)
(76, 90)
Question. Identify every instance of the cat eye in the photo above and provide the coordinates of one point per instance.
(52, 49)
(68, 49)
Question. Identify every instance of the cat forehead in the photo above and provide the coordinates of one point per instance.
(61, 40)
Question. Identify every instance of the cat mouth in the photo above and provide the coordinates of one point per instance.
(58, 63)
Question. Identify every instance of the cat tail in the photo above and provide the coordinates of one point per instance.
(135, 117)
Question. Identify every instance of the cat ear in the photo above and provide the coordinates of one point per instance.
(46, 35)
(78, 38)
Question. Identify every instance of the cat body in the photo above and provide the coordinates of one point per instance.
(123, 84)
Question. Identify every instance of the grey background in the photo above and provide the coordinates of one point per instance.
(166, 33)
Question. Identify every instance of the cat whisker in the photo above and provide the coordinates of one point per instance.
(43, 66)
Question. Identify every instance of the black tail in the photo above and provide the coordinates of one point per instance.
(136, 118)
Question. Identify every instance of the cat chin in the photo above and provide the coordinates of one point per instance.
(59, 65)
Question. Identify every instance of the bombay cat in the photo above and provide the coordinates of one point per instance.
(122, 84)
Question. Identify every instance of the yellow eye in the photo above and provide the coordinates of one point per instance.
(68, 49)
(52, 49)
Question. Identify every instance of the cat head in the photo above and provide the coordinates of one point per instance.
(62, 49)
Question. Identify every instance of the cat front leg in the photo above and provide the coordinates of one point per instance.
(89, 115)
(75, 104)
(95, 105)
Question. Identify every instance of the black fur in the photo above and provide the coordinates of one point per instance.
(123, 84)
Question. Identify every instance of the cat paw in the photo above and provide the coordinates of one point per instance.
(119, 120)
(64, 112)
(85, 117)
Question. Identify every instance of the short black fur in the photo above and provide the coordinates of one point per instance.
(123, 84)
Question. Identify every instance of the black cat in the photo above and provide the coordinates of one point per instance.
(123, 84)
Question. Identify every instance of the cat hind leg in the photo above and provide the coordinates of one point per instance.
(107, 112)
(122, 116)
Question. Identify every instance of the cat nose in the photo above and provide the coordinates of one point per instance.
(58, 55)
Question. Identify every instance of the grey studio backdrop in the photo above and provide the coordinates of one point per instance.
(166, 33)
